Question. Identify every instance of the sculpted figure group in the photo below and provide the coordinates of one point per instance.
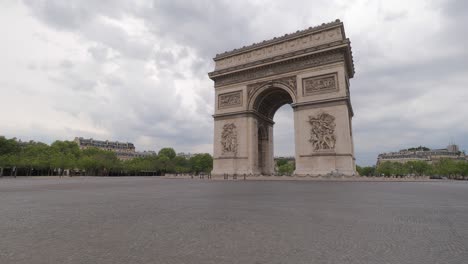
(229, 138)
(231, 99)
(322, 134)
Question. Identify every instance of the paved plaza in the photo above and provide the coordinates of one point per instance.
(154, 220)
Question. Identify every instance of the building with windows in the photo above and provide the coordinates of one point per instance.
(423, 154)
(123, 150)
(187, 155)
(145, 153)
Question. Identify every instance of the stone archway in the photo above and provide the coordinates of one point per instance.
(264, 102)
(310, 70)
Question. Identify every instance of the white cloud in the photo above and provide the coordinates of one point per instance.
(137, 70)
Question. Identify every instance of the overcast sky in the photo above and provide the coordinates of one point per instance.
(137, 70)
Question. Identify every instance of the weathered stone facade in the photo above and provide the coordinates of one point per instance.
(310, 70)
(322, 133)
(321, 84)
(231, 99)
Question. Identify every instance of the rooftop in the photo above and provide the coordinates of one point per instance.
(279, 39)
(105, 142)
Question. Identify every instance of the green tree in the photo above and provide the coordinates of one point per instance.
(201, 163)
(286, 169)
(461, 168)
(464, 168)
(385, 169)
(399, 169)
(168, 152)
(9, 153)
(144, 165)
(99, 162)
(181, 164)
(365, 171)
(281, 161)
(446, 167)
(35, 156)
(165, 163)
(64, 155)
(418, 167)
(420, 148)
(9, 146)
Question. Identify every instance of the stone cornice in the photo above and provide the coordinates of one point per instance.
(336, 44)
(284, 66)
(296, 44)
(325, 102)
(276, 40)
(244, 113)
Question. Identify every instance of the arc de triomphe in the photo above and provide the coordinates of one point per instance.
(308, 69)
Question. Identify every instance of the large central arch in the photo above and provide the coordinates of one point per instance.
(310, 70)
(264, 103)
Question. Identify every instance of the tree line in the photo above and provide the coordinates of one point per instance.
(452, 169)
(37, 158)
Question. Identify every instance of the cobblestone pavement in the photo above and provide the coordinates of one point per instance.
(151, 220)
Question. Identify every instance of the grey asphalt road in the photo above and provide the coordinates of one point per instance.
(152, 220)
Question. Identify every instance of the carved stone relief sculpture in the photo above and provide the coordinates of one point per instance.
(229, 139)
(281, 48)
(270, 70)
(230, 99)
(289, 82)
(322, 133)
(322, 84)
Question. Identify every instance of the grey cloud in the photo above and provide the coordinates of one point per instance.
(164, 58)
(207, 26)
(99, 53)
(395, 16)
(73, 14)
(390, 86)
(385, 94)
(32, 66)
(60, 14)
(74, 82)
(66, 64)
(86, 16)
(138, 110)
(118, 39)
(84, 85)
(455, 8)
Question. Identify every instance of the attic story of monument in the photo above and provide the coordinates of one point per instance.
(310, 70)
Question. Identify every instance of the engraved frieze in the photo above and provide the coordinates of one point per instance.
(279, 68)
(289, 82)
(322, 133)
(232, 99)
(321, 84)
(229, 139)
(304, 42)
